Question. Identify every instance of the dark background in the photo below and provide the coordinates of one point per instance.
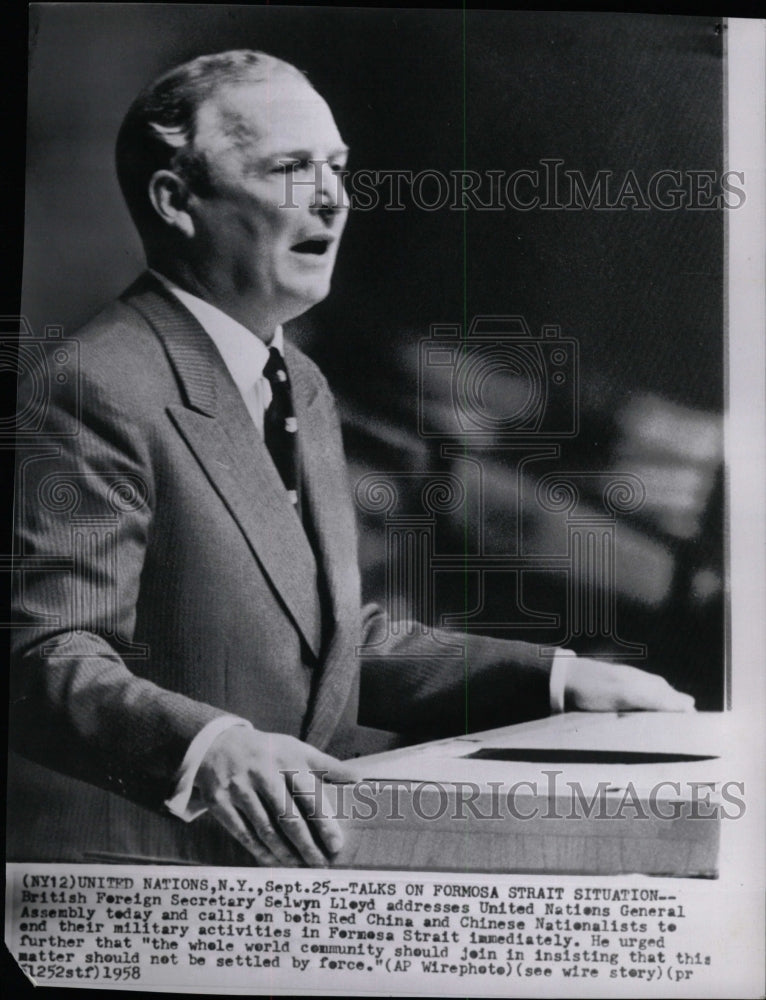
(640, 291)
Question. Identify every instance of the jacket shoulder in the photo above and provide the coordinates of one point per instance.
(111, 372)
(118, 340)
(120, 360)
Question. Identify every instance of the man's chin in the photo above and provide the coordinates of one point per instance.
(308, 295)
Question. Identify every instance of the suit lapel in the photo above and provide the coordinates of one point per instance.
(325, 474)
(325, 477)
(217, 428)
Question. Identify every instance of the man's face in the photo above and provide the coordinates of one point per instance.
(267, 229)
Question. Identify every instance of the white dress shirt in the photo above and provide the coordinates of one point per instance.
(245, 356)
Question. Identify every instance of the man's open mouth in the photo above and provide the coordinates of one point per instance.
(316, 246)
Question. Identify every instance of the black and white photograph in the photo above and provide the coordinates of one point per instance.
(388, 503)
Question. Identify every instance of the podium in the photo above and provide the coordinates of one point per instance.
(579, 793)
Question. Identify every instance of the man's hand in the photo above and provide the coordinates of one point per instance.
(596, 686)
(261, 788)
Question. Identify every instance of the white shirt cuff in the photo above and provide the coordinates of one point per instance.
(559, 669)
(184, 803)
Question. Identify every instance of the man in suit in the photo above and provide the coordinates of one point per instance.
(188, 598)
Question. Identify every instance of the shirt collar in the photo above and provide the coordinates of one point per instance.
(244, 354)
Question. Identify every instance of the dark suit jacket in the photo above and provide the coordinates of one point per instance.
(163, 579)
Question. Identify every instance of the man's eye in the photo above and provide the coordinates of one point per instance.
(291, 166)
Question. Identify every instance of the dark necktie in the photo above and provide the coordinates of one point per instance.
(279, 424)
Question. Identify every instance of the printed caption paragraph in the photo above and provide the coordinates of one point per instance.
(282, 929)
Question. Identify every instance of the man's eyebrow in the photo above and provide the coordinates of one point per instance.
(305, 154)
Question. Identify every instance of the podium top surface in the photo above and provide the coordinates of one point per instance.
(645, 748)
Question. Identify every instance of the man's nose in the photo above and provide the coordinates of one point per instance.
(330, 196)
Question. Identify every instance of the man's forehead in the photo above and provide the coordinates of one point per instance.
(280, 112)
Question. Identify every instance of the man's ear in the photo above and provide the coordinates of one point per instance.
(169, 195)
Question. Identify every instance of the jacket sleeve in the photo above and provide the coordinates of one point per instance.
(83, 517)
(438, 683)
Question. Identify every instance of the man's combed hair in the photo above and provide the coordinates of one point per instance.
(157, 133)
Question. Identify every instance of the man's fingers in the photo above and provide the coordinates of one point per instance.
(275, 794)
(640, 690)
(685, 703)
(230, 820)
(331, 769)
(597, 686)
(661, 697)
(675, 701)
(318, 802)
(289, 817)
(251, 808)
